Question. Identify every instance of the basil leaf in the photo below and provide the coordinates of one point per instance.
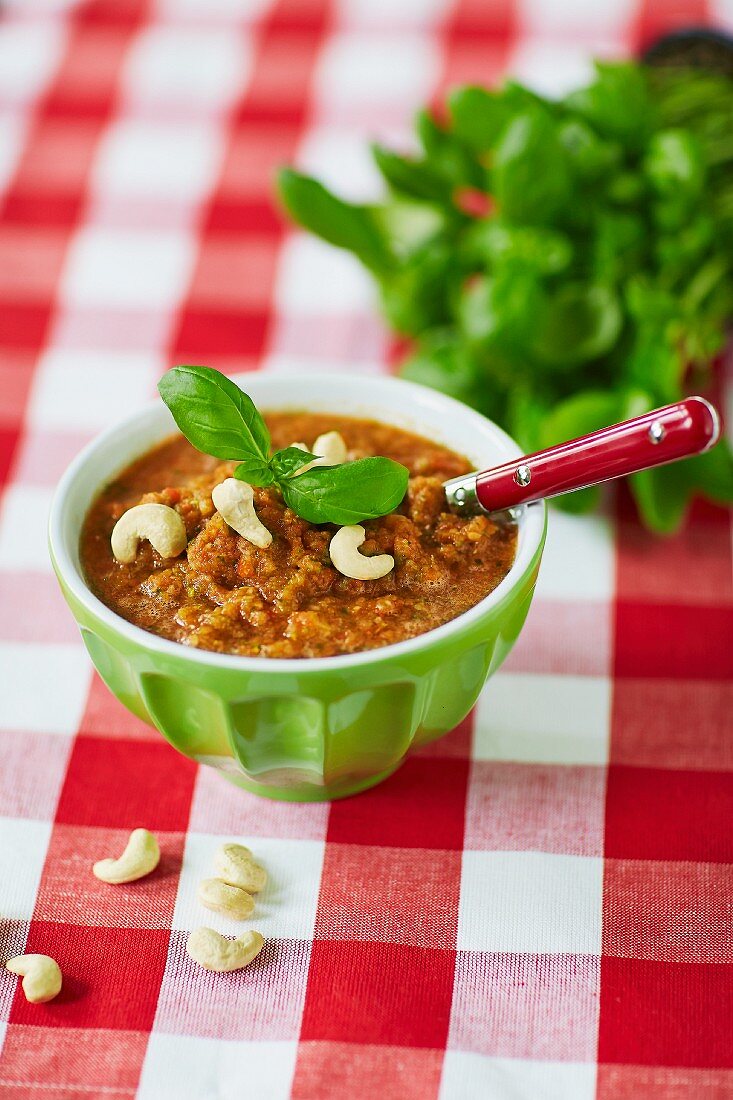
(347, 494)
(616, 103)
(410, 177)
(414, 298)
(712, 472)
(664, 493)
(591, 157)
(584, 412)
(530, 247)
(341, 223)
(408, 225)
(578, 323)
(530, 173)
(214, 414)
(478, 116)
(662, 497)
(504, 306)
(286, 462)
(255, 471)
(447, 155)
(446, 363)
(580, 501)
(674, 163)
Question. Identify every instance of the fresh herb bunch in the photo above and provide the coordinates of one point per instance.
(560, 265)
(221, 420)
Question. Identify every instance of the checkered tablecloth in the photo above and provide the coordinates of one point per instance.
(539, 906)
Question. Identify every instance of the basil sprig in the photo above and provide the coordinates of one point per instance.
(221, 420)
(556, 261)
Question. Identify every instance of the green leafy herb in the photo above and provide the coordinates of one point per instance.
(214, 414)
(530, 174)
(478, 117)
(339, 222)
(255, 471)
(594, 278)
(409, 177)
(349, 493)
(576, 324)
(221, 420)
(284, 463)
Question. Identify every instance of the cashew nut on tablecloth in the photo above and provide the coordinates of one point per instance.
(160, 525)
(230, 901)
(140, 857)
(234, 501)
(345, 556)
(235, 865)
(216, 952)
(41, 976)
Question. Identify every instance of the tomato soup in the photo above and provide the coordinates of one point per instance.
(287, 600)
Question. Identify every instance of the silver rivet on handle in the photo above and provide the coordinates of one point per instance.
(656, 432)
(523, 476)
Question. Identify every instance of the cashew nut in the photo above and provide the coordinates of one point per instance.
(236, 866)
(344, 551)
(234, 501)
(215, 952)
(140, 857)
(228, 900)
(41, 976)
(330, 448)
(160, 525)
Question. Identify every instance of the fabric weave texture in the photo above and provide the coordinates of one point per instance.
(538, 906)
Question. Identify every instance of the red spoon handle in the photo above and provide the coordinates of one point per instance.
(663, 435)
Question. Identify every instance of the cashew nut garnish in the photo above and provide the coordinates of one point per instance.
(160, 525)
(330, 448)
(345, 556)
(230, 901)
(215, 952)
(140, 857)
(41, 976)
(234, 501)
(236, 866)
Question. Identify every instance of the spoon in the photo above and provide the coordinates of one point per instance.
(654, 439)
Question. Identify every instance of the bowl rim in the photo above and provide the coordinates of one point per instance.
(532, 523)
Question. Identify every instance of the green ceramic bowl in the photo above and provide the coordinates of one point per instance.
(317, 728)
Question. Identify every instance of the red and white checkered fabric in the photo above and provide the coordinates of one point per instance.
(538, 907)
